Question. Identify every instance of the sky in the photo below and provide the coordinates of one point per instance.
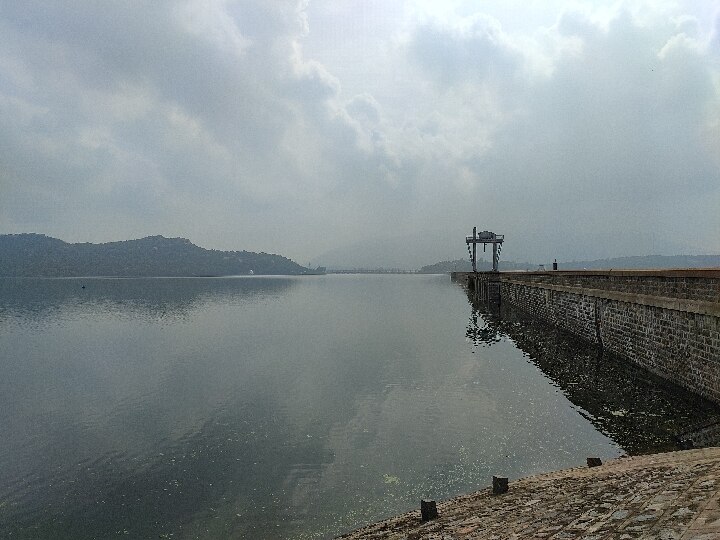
(365, 132)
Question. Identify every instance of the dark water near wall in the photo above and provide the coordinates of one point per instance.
(288, 407)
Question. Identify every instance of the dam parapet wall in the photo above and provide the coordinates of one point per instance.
(667, 321)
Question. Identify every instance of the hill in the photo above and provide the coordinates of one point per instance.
(35, 255)
(644, 262)
(462, 265)
(625, 263)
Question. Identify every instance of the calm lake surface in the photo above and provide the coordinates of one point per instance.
(289, 407)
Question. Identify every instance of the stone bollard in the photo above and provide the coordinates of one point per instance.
(594, 462)
(428, 510)
(500, 485)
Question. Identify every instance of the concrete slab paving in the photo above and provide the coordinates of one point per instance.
(671, 496)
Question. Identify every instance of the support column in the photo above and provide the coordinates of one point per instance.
(474, 250)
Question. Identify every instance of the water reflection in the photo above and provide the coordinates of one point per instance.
(225, 480)
(642, 412)
(114, 403)
(482, 331)
(25, 299)
(257, 409)
(263, 408)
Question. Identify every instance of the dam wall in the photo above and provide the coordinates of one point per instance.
(667, 321)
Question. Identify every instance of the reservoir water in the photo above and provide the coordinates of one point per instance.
(289, 407)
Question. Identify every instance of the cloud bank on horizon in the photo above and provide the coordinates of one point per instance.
(576, 129)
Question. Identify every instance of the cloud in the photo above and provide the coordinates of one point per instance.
(612, 138)
(212, 120)
(364, 107)
(477, 48)
(127, 107)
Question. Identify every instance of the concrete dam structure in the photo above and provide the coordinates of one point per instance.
(667, 321)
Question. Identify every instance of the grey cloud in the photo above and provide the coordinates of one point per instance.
(478, 49)
(612, 139)
(574, 23)
(715, 35)
(208, 120)
(157, 115)
(365, 107)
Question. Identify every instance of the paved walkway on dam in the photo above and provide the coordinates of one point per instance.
(661, 496)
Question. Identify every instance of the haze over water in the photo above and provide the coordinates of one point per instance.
(285, 407)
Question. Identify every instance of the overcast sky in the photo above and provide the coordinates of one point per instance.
(577, 129)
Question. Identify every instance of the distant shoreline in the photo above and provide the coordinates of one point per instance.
(37, 255)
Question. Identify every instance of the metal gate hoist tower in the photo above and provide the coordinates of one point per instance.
(484, 238)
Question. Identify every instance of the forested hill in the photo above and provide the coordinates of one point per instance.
(31, 255)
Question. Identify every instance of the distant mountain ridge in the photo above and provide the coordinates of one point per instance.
(37, 255)
(463, 265)
(618, 263)
(644, 262)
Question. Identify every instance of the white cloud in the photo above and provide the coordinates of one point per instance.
(241, 125)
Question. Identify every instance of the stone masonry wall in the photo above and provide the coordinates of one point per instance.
(572, 312)
(665, 321)
(702, 285)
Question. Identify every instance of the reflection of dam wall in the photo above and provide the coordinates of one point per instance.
(667, 321)
(648, 415)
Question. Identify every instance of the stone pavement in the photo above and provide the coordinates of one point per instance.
(662, 496)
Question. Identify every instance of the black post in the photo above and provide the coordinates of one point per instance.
(499, 485)
(428, 510)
